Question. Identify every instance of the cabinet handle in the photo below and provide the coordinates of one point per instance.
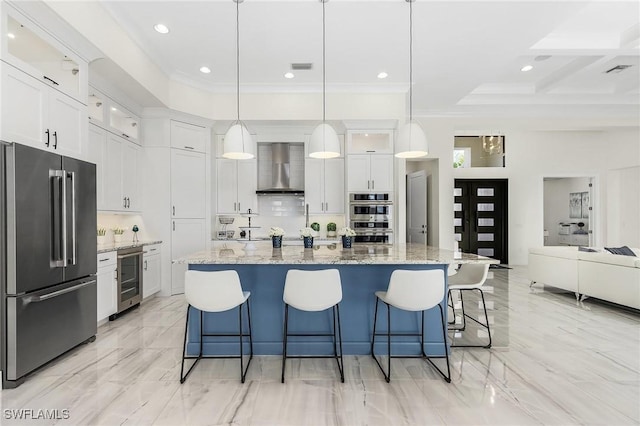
(372, 150)
(128, 202)
(326, 205)
(239, 206)
(153, 249)
(373, 184)
(115, 274)
(103, 260)
(174, 210)
(125, 135)
(124, 202)
(145, 265)
(234, 207)
(55, 140)
(189, 147)
(55, 83)
(48, 135)
(174, 225)
(368, 184)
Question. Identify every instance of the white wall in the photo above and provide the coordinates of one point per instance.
(623, 207)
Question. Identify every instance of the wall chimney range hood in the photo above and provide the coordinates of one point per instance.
(280, 172)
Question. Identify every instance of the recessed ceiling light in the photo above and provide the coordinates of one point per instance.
(11, 35)
(114, 109)
(289, 75)
(161, 28)
(205, 70)
(526, 68)
(383, 75)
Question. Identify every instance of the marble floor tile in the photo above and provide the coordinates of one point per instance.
(554, 361)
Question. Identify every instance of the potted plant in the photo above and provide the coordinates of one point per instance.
(102, 232)
(347, 236)
(316, 227)
(117, 234)
(276, 234)
(307, 236)
(331, 229)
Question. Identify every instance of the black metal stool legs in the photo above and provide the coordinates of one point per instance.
(243, 372)
(183, 377)
(464, 323)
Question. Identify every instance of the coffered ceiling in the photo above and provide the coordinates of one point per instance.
(468, 55)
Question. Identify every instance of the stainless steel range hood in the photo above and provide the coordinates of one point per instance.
(280, 172)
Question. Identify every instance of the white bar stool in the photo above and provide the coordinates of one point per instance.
(215, 291)
(414, 291)
(313, 291)
(470, 277)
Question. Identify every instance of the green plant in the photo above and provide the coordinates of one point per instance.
(315, 226)
(331, 227)
(102, 231)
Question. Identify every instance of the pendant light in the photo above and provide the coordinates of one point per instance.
(238, 144)
(324, 139)
(412, 142)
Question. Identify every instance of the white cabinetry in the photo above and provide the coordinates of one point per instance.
(110, 115)
(119, 176)
(370, 141)
(187, 184)
(324, 186)
(107, 284)
(189, 136)
(370, 173)
(189, 236)
(151, 270)
(37, 115)
(237, 181)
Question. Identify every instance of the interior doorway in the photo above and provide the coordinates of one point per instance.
(568, 211)
(480, 217)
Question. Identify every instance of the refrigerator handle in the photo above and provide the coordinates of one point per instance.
(74, 230)
(63, 197)
(58, 260)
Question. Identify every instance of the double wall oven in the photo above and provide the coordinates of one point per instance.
(370, 215)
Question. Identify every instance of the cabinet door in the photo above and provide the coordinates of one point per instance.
(188, 188)
(106, 291)
(314, 188)
(151, 275)
(188, 236)
(23, 108)
(247, 185)
(334, 186)
(358, 173)
(227, 186)
(131, 163)
(96, 152)
(382, 173)
(114, 200)
(67, 120)
(188, 136)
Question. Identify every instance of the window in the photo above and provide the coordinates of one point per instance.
(461, 158)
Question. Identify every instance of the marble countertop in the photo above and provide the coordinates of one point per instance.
(104, 248)
(360, 254)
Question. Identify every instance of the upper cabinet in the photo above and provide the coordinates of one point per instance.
(37, 115)
(370, 142)
(370, 173)
(29, 48)
(110, 115)
(189, 136)
(324, 185)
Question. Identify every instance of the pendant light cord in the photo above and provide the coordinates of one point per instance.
(324, 90)
(410, 60)
(238, 58)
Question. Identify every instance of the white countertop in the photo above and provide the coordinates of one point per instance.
(103, 248)
(360, 254)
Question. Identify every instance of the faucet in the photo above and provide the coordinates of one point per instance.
(306, 222)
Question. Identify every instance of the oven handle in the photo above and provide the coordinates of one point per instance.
(53, 294)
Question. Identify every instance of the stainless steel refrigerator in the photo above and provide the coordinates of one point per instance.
(48, 257)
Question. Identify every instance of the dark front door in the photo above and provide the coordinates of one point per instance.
(480, 217)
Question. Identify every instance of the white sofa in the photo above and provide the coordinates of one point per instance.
(602, 275)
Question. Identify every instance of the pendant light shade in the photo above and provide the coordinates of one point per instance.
(324, 141)
(412, 142)
(238, 143)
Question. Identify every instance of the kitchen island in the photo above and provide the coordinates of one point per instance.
(364, 269)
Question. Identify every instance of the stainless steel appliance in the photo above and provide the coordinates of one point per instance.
(129, 279)
(370, 215)
(48, 255)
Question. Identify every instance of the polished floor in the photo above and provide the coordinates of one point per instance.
(555, 361)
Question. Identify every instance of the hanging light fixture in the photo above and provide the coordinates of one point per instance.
(492, 144)
(238, 144)
(324, 141)
(412, 142)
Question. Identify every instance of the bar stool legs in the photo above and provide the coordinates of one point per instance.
(388, 334)
(241, 335)
(337, 341)
(465, 316)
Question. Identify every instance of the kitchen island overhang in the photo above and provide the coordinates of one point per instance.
(363, 270)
